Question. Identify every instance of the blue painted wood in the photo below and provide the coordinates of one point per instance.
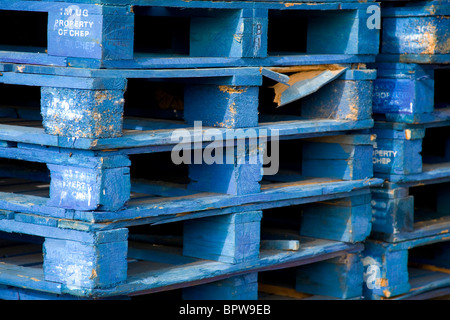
(403, 89)
(392, 215)
(196, 3)
(397, 156)
(385, 271)
(157, 140)
(94, 110)
(167, 207)
(31, 278)
(14, 293)
(46, 80)
(432, 59)
(85, 181)
(269, 196)
(386, 264)
(354, 37)
(72, 221)
(400, 36)
(153, 209)
(401, 41)
(82, 31)
(347, 219)
(89, 189)
(168, 276)
(235, 288)
(82, 113)
(103, 34)
(440, 114)
(397, 219)
(342, 99)
(144, 61)
(338, 157)
(221, 106)
(397, 152)
(240, 33)
(426, 285)
(238, 173)
(399, 25)
(231, 238)
(102, 264)
(340, 277)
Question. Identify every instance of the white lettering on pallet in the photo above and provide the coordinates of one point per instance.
(72, 22)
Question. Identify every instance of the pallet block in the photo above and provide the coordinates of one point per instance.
(234, 288)
(330, 157)
(231, 238)
(415, 33)
(340, 277)
(403, 151)
(347, 219)
(410, 93)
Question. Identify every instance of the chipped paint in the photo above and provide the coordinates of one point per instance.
(408, 134)
(232, 90)
(93, 274)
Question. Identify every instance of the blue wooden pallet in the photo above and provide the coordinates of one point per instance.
(103, 171)
(406, 270)
(88, 106)
(409, 157)
(190, 34)
(416, 32)
(410, 93)
(27, 283)
(99, 188)
(412, 152)
(108, 260)
(401, 213)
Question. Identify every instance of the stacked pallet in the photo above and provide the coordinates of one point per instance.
(93, 204)
(406, 256)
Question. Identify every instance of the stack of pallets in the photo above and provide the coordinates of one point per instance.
(406, 254)
(109, 111)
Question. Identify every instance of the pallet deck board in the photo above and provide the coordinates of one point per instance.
(161, 138)
(182, 205)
